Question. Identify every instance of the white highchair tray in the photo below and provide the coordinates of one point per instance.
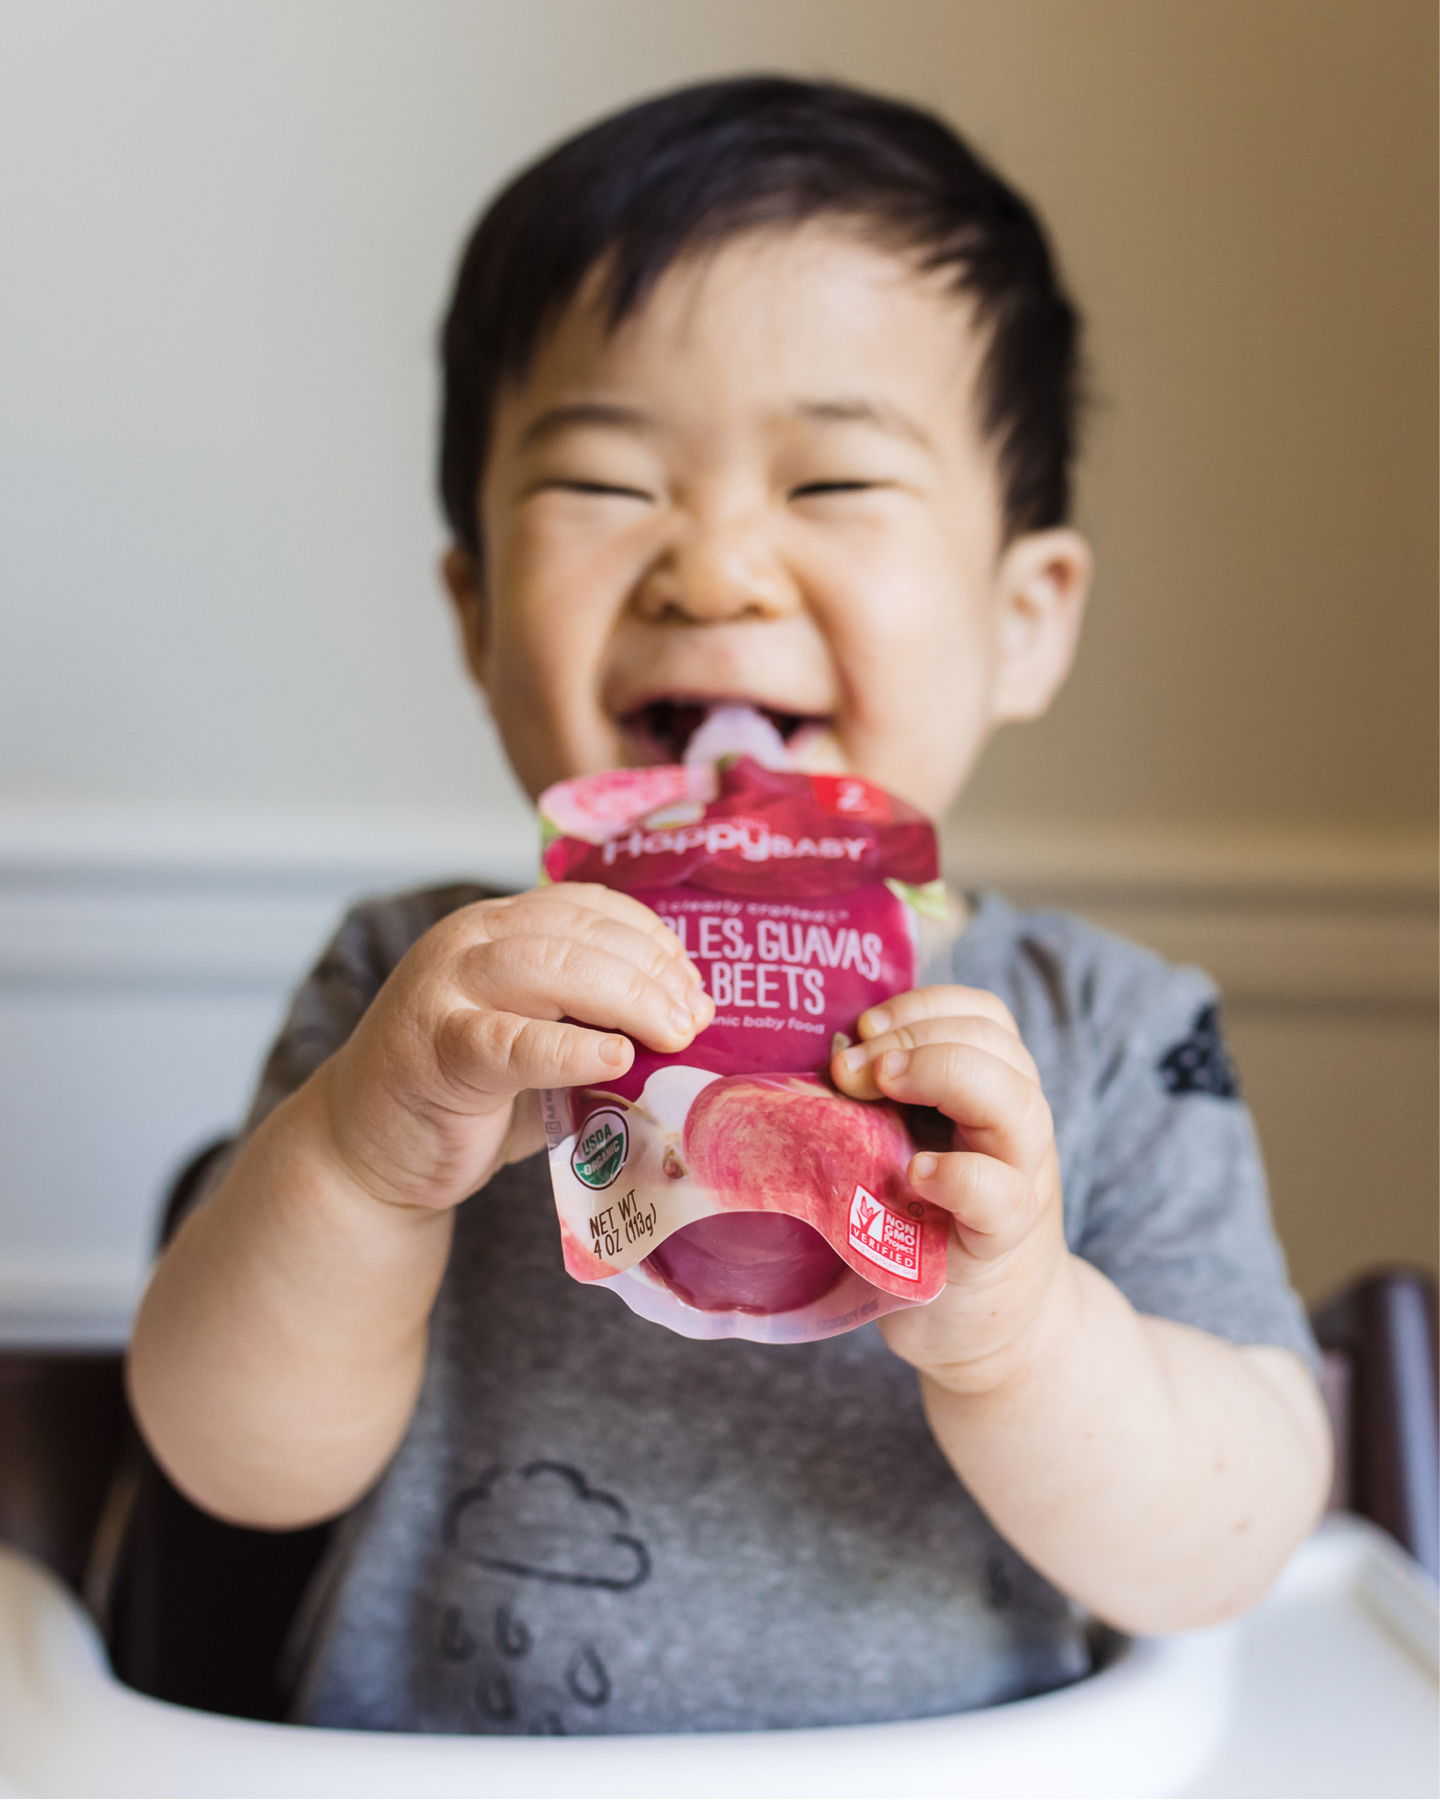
(1324, 1690)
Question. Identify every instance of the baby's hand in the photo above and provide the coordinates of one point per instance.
(434, 1089)
(957, 1049)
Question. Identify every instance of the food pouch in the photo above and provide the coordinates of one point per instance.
(729, 1189)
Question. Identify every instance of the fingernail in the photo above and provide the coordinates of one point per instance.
(893, 1063)
(877, 1020)
(687, 993)
(697, 1000)
(612, 1051)
(923, 1166)
(682, 1018)
(853, 1060)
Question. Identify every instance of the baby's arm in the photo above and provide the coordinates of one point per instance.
(1158, 1475)
(280, 1345)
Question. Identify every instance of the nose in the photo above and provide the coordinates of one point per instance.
(718, 571)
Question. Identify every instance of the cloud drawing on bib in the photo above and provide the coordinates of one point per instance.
(544, 1522)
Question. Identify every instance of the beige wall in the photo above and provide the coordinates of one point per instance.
(1345, 1103)
(1245, 197)
(228, 232)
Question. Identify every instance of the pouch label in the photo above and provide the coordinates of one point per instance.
(882, 1237)
(600, 1152)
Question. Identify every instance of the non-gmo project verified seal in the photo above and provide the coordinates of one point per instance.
(877, 1233)
(600, 1150)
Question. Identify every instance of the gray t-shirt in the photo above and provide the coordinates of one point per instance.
(595, 1526)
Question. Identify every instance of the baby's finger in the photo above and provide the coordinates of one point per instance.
(853, 1070)
(998, 1110)
(485, 1054)
(992, 1204)
(625, 909)
(573, 901)
(658, 954)
(944, 1001)
(549, 977)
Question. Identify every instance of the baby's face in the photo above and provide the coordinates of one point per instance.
(767, 485)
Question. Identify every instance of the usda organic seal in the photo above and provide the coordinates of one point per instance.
(600, 1150)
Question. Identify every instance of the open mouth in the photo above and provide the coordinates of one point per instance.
(662, 729)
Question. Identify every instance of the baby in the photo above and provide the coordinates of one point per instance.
(762, 391)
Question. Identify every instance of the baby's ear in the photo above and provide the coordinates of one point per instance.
(460, 572)
(1041, 584)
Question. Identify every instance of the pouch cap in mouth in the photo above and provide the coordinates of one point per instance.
(731, 729)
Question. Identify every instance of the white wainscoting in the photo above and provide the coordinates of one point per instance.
(146, 955)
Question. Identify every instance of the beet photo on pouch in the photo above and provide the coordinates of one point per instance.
(730, 1190)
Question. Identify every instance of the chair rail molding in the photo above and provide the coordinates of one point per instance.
(181, 896)
(1282, 916)
(173, 896)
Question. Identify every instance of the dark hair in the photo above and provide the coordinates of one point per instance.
(694, 167)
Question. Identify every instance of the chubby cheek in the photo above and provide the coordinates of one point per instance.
(916, 654)
(551, 619)
(943, 700)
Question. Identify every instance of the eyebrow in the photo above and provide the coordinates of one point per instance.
(556, 419)
(857, 410)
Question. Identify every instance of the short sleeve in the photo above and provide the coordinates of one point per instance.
(1177, 1212)
(330, 1002)
(328, 1005)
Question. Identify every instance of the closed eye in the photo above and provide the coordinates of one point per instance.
(559, 484)
(813, 488)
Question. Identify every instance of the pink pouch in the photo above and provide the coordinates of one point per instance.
(730, 1190)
